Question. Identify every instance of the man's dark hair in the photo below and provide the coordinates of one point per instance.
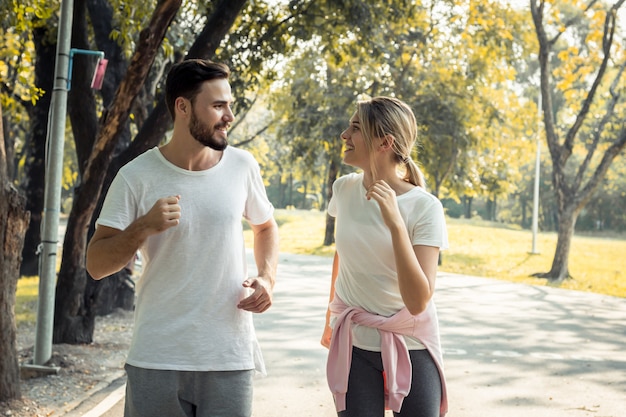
(186, 78)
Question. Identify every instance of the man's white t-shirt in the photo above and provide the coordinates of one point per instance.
(367, 275)
(186, 315)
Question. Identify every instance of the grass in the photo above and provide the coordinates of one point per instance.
(301, 232)
(26, 300)
(490, 250)
(597, 264)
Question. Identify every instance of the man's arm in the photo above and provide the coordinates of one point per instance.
(110, 249)
(266, 250)
(266, 258)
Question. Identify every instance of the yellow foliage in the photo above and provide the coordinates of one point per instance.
(69, 177)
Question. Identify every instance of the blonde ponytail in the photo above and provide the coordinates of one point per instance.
(413, 173)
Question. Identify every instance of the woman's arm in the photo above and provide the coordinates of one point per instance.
(417, 269)
(328, 331)
(416, 265)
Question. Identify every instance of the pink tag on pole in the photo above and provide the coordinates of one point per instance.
(98, 75)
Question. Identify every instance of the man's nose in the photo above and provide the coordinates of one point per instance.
(229, 116)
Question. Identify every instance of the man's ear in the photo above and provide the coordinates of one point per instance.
(182, 105)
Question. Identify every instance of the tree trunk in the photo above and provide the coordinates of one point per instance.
(560, 270)
(333, 173)
(81, 104)
(36, 149)
(566, 224)
(572, 195)
(524, 222)
(488, 210)
(281, 189)
(13, 224)
(102, 20)
(81, 101)
(467, 205)
(290, 190)
(115, 292)
(9, 147)
(159, 121)
(74, 321)
(106, 295)
(102, 296)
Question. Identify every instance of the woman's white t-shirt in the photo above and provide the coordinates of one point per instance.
(367, 275)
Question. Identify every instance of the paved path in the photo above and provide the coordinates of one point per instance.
(509, 349)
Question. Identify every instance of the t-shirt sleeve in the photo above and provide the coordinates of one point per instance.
(119, 208)
(430, 227)
(258, 208)
(332, 204)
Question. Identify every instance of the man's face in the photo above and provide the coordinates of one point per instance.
(211, 114)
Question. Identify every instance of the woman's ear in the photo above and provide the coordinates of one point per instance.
(386, 142)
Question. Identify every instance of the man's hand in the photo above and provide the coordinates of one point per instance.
(165, 213)
(260, 300)
(110, 249)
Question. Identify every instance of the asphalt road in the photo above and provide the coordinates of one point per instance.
(509, 349)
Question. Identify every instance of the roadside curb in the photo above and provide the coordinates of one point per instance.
(106, 404)
(108, 389)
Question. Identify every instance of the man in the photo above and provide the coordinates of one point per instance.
(193, 351)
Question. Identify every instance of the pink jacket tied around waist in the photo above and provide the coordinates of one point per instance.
(395, 355)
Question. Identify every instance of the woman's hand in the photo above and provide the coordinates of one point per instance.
(385, 196)
(416, 265)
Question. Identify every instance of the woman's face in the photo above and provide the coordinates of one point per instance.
(355, 152)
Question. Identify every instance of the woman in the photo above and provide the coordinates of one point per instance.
(384, 350)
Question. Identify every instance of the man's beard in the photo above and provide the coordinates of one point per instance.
(205, 134)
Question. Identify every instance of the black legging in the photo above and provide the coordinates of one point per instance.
(366, 396)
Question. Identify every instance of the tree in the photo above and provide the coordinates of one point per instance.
(78, 296)
(331, 71)
(29, 31)
(13, 223)
(305, 104)
(606, 210)
(73, 321)
(101, 297)
(454, 71)
(581, 66)
(471, 117)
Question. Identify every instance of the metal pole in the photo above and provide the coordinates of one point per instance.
(52, 196)
(537, 175)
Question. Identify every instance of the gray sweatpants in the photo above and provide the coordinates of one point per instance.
(151, 392)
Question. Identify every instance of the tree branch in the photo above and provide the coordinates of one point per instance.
(615, 96)
(607, 41)
(113, 120)
(571, 22)
(256, 134)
